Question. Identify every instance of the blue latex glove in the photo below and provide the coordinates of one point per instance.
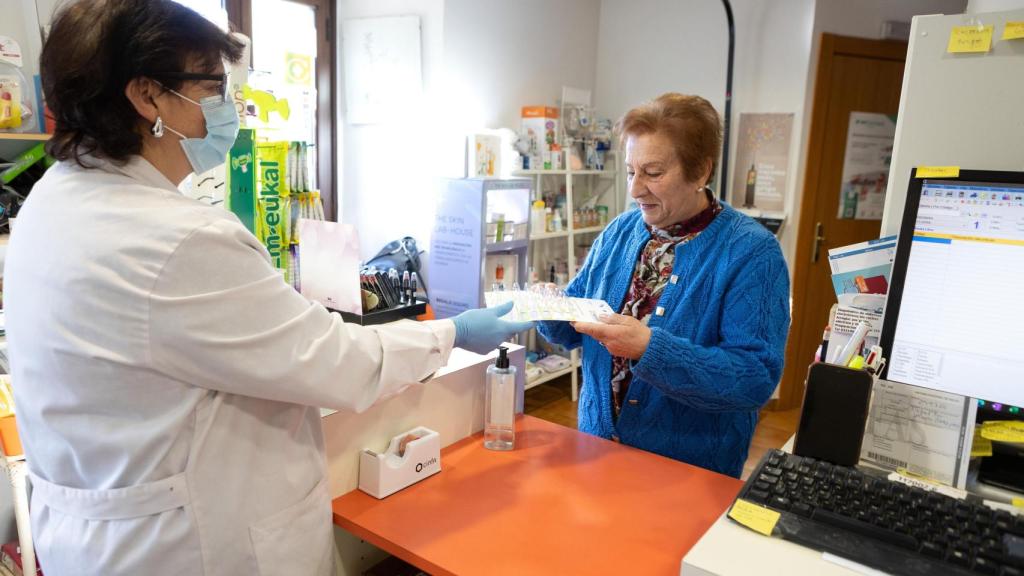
(482, 330)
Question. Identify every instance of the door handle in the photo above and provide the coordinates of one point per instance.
(818, 239)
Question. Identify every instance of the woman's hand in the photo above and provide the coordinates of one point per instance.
(622, 335)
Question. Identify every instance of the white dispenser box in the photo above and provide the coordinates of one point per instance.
(381, 475)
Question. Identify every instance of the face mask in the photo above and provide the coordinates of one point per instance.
(221, 129)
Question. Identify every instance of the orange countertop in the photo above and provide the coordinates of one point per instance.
(562, 502)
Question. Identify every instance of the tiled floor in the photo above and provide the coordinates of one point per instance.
(552, 401)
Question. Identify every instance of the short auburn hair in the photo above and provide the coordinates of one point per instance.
(691, 123)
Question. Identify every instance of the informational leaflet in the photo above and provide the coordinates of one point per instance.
(860, 277)
(925, 432)
(869, 143)
(533, 306)
(863, 268)
(854, 308)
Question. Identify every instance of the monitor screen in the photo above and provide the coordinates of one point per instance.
(953, 321)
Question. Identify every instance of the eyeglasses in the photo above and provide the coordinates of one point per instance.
(196, 77)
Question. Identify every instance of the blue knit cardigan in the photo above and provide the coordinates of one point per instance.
(716, 349)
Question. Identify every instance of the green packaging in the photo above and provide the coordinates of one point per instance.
(22, 162)
(241, 178)
(273, 206)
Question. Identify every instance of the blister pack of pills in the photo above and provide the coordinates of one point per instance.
(547, 304)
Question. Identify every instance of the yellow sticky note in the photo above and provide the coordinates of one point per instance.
(970, 39)
(1018, 502)
(981, 447)
(938, 171)
(1003, 431)
(1013, 31)
(757, 518)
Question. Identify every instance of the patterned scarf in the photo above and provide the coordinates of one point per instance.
(649, 280)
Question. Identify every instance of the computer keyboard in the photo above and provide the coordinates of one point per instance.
(883, 524)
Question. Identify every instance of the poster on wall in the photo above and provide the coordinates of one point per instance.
(866, 165)
(762, 161)
(382, 66)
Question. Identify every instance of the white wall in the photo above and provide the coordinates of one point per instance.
(482, 61)
(864, 18)
(47, 8)
(381, 168)
(649, 47)
(501, 55)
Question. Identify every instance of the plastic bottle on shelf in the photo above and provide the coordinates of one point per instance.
(549, 217)
(538, 218)
(556, 221)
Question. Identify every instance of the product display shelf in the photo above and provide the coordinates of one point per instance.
(12, 144)
(581, 188)
(549, 376)
(506, 246)
(31, 136)
(545, 235)
(609, 173)
(465, 256)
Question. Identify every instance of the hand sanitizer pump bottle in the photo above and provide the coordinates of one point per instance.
(500, 404)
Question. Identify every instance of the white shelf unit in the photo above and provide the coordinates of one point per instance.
(552, 375)
(24, 136)
(583, 188)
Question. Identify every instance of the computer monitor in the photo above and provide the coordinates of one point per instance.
(953, 321)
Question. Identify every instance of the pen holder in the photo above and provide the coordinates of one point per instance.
(381, 475)
(834, 413)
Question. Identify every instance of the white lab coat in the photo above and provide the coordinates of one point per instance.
(165, 378)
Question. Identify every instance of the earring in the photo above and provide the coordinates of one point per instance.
(158, 127)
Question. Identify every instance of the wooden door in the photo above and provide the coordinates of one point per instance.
(854, 75)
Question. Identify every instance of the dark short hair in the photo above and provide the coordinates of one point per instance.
(691, 123)
(96, 47)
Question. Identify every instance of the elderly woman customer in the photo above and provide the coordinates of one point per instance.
(703, 295)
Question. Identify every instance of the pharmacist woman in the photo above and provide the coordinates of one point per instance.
(165, 375)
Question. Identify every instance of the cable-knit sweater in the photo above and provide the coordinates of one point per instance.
(717, 341)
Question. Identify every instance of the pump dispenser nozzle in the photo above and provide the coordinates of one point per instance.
(502, 361)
